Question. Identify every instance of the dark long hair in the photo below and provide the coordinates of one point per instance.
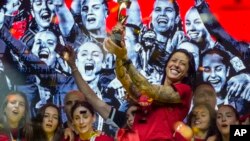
(26, 117)
(38, 132)
(23, 123)
(190, 80)
(237, 115)
(212, 129)
(224, 60)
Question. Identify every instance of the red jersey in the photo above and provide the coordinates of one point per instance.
(160, 120)
(15, 135)
(127, 135)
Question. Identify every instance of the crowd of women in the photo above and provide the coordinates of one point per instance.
(61, 81)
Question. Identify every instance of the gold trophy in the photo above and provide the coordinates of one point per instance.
(116, 36)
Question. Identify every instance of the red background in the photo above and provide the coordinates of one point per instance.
(232, 14)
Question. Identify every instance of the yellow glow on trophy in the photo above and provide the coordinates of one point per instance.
(116, 36)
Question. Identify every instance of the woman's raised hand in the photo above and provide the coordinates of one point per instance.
(112, 47)
(68, 55)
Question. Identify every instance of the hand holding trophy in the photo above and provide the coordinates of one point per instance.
(115, 44)
(117, 34)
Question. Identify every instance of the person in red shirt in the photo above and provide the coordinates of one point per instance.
(168, 103)
(127, 133)
(160, 106)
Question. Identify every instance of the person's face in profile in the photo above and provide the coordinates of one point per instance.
(94, 13)
(131, 115)
(205, 93)
(83, 120)
(226, 117)
(50, 120)
(43, 12)
(163, 16)
(191, 48)
(194, 26)
(200, 118)
(177, 67)
(215, 72)
(89, 60)
(44, 47)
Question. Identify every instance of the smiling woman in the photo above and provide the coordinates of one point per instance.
(42, 15)
(174, 94)
(44, 47)
(202, 121)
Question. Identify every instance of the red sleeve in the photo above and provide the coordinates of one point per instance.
(4, 137)
(185, 93)
(183, 89)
